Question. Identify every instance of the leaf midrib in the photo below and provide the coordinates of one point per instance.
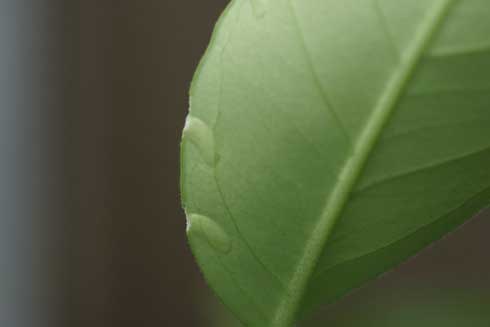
(335, 202)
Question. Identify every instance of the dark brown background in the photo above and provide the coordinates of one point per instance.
(125, 72)
(136, 63)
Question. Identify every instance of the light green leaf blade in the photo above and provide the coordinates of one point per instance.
(328, 141)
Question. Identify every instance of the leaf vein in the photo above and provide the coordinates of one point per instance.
(336, 200)
(459, 52)
(242, 236)
(420, 169)
(327, 103)
(414, 231)
(386, 28)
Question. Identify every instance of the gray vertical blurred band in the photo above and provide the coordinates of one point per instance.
(29, 96)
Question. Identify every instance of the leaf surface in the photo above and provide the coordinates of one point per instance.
(330, 140)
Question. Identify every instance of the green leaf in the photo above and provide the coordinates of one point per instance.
(412, 306)
(328, 141)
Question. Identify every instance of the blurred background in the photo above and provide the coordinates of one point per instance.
(93, 96)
